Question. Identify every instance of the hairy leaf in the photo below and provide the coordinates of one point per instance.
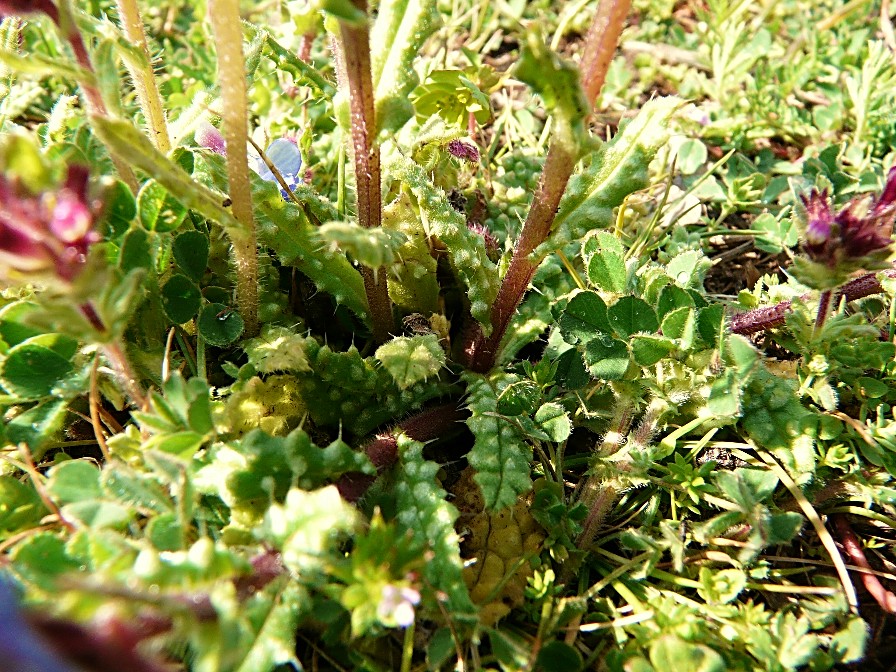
(426, 515)
(466, 249)
(500, 454)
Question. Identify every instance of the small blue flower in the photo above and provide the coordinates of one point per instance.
(287, 158)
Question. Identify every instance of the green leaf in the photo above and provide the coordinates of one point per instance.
(553, 420)
(584, 318)
(219, 324)
(557, 656)
(721, 586)
(500, 454)
(680, 324)
(466, 249)
(672, 298)
(691, 156)
(32, 371)
(119, 209)
(134, 147)
(181, 298)
(306, 528)
(399, 32)
(668, 652)
(157, 209)
(42, 558)
(20, 506)
(191, 250)
(519, 398)
(37, 426)
(848, 645)
(74, 481)
(778, 234)
(410, 360)
(285, 228)
(424, 514)
(631, 315)
(136, 251)
(648, 349)
(276, 614)
(344, 10)
(619, 168)
(371, 247)
(559, 85)
(13, 322)
(606, 267)
(606, 358)
(271, 465)
(688, 269)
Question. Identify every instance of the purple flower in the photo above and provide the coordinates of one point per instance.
(464, 150)
(849, 237)
(47, 233)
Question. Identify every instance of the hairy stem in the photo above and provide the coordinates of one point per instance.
(65, 20)
(228, 32)
(356, 61)
(141, 72)
(480, 351)
(769, 317)
(824, 307)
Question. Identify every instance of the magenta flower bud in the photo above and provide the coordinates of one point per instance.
(21, 7)
(48, 234)
(210, 137)
(464, 150)
(850, 238)
(820, 218)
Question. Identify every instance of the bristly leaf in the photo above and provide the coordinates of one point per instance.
(401, 28)
(354, 392)
(466, 249)
(371, 247)
(284, 227)
(410, 360)
(617, 170)
(274, 614)
(412, 282)
(500, 454)
(424, 513)
(305, 529)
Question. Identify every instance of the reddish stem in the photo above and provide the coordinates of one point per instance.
(356, 61)
(769, 317)
(853, 549)
(480, 351)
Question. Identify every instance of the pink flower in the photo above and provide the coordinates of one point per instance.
(47, 233)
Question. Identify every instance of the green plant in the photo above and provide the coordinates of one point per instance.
(395, 372)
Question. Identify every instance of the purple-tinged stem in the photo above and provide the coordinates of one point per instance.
(65, 20)
(769, 317)
(356, 61)
(600, 44)
(824, 307)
